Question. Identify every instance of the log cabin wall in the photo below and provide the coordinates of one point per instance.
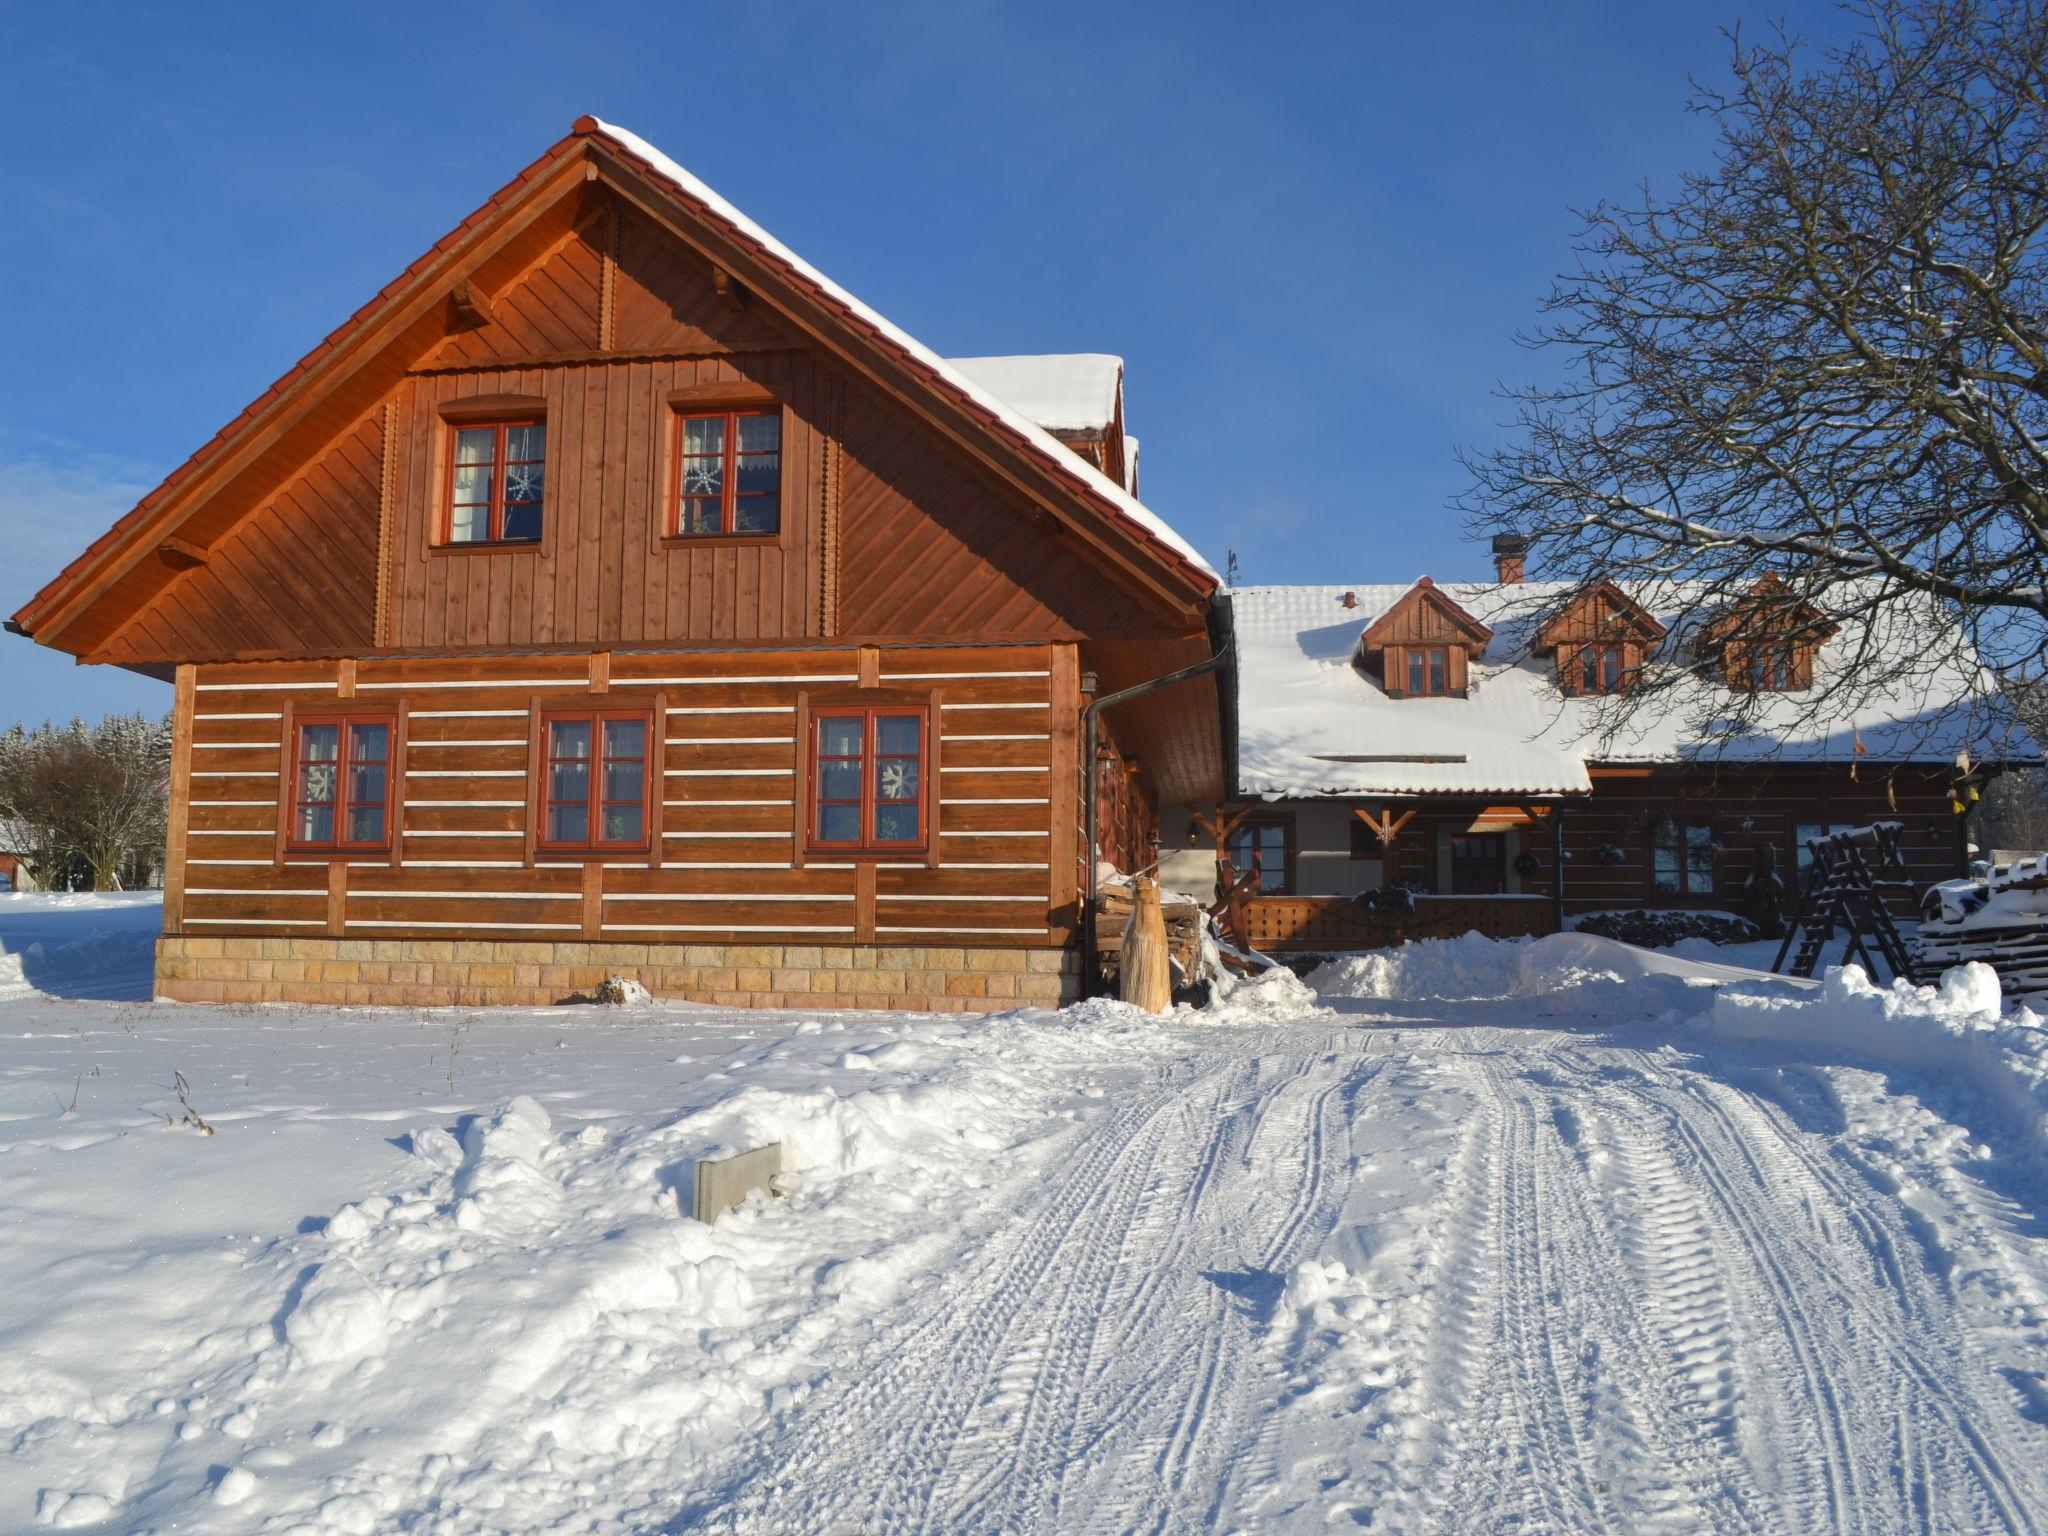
(724, 907)
(1609, 834)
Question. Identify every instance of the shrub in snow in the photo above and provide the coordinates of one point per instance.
(623, 992)
(1655, 930)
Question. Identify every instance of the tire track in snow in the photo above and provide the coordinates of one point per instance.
(1864, 1348)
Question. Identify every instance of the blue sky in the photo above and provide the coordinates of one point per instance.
(1313, 231)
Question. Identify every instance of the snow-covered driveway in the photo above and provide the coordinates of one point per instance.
(1440, 1276)
(1472, 1243)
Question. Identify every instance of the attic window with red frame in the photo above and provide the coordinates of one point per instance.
(594, 780)
(868, 778)
(497, 480)
(341, 782)
(728, 477)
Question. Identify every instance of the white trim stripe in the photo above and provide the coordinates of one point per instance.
(466, 714)
(429, 685)
(977, 929)
(970, 832)
(714, 896)
(783, 835)
(466, 773)
(733, 928)
(689, 803)
(235, 773)
(411, 922)
(214, 890)
(493, 741)
(728, 741)
(209, 803)
(1037, 736)
(430, 832)
(259, 922)
(965, 704)
(1011, 899)
(734, 709)
(260, 687)
(477, 895)
(719, 682)
(274, 715)
(1041, 800)
(495, 805)
(462, 864)
(924, 676)
(729, 773)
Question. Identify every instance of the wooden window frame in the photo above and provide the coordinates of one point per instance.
(811, 710)
(454, 426)
(1409, 656)
(651, 754)
(288, 790)
(1575, 672)
(1286, 826)
(684, 411)
(1679, 822)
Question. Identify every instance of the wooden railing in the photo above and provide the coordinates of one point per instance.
(1280, 923)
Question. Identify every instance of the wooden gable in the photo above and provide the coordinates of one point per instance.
(1767, 639)
(1423, 619)
(599, 286)
(1600, 617)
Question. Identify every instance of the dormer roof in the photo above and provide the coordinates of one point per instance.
(1769, 608)
(1596, 614)
(1426, 615)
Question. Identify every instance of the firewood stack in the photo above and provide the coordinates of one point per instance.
(1183, 917)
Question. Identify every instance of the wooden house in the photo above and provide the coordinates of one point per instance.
(614, 593)
(1458, 740)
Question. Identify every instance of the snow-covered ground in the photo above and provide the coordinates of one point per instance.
(1554, 1237)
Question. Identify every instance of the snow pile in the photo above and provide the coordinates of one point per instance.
(78, 943)
(1469, 966)
(56, 968)
(1275, 996)
(1953, 1033)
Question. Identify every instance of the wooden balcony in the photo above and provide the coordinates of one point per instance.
(1278, 924)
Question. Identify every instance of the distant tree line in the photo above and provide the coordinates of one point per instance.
(87, 805)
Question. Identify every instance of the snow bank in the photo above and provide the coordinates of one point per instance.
(1469, 966)
(1953, 1033)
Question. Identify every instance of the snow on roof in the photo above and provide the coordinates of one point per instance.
(1310, 723)
(1061, 391)
(1050, 448)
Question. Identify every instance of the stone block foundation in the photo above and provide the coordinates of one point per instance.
(442, 973)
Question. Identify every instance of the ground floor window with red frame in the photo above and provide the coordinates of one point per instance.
(869, 785)
(594, 779)
(341, 782)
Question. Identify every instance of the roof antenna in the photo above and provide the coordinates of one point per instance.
(1230, 568)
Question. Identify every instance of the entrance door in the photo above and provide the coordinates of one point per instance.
(1479, 863)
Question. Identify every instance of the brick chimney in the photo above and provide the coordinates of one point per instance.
(1510, 554)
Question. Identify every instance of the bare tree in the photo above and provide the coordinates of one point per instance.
(1824, 359)
(93, 795)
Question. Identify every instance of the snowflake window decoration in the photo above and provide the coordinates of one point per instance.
(700, 478)
(522, 482)
(898, 781)
(320, 781)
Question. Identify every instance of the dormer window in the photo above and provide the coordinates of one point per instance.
(497, 478)
(1767, 639)
(1429, 671)
(1599, 639)
(1424, 645)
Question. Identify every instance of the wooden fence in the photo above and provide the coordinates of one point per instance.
(1280, 923)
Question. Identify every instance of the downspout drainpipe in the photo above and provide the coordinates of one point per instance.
(1557, 865)
(1108, 701)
